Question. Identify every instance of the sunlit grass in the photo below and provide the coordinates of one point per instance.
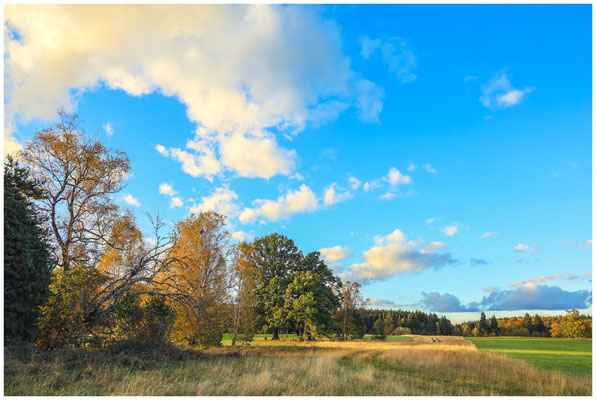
(559, 354)
(422, 367)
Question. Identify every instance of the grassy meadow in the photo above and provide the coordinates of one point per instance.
(565, 355)
(423, 365)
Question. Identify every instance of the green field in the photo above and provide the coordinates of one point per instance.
(566, 355)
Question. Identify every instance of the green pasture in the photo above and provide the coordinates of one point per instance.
(264, 339)
(566, 355)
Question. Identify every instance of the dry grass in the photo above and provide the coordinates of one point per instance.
(446, 366)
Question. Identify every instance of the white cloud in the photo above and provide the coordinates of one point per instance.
(167, 189)
(589, 242)
(335, 253)
(450, 230)
(523, 247)
(399, 59)
(108, 128)
(488, 234)
(499, 93)
(241, 236)
(11, 145)
(334, 194)
(176, 202)
(223, 200)
(243, 72)
(130, 199)
(301, 200)
(394, 254)
(429, 168)
(432, 220)
(196, 165)
(411, 167)
(354, 183)
(397, 178)
(162, 150)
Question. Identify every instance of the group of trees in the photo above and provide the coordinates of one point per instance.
(392, 322)
(572, 325)
(80, 272)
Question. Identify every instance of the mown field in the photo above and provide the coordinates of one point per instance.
(422, 366)
(565, 355)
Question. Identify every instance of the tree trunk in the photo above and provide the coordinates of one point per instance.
(343, 337)
(275, 334)
(236, 319)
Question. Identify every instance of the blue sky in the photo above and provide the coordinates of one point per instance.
(440, 155)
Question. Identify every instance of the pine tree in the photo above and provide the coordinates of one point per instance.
(27, 258)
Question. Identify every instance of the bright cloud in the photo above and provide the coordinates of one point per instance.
(167, 189)
(394, 254)
(241, 236)
(451, 230)
(335, 253)
(243, 72)
(396, 178)
(334, 194)
(130, 199)
(162, 150)
(524, 247)
(301, 200)
(545, 279)
(176, 202)
(223, 200)
(499, 93)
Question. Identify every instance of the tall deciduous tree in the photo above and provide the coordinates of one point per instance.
(202, 271)
(351, 300)
(244, 286)
(77, 174)
(276, 258)
(27, 258)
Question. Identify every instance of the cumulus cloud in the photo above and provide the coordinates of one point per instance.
(176, 202)
(394, 177)
(241, 236)
(130, 199)
(525, 297)
(244, 73)
(223, 200)
(451, 230)
(301, 200)
(167, 189)
(335, 253)
(536, 297)
(444, 303)
(498, 92)
(334, 194)
(488, 234)
(394, 254)
(524, 247)
(399, 59)
(161, 150)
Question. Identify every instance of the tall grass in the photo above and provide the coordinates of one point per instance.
(447, 367)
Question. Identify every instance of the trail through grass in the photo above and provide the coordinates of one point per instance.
(424, 366)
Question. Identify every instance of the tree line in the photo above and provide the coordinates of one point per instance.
(80, 272)
(571, 325)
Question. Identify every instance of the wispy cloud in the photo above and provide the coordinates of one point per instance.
(399, 59)
(498, 93)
